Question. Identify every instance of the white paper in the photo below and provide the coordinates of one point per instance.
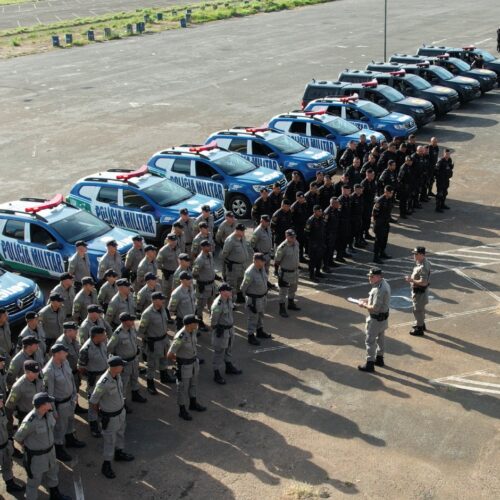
(354, 301)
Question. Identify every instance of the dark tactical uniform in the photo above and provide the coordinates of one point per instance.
(331, 216)
(262, 207)
(292, 188)
(404, 188)
(444, 172)
(369, 193)
(299, 219)
(276, 199)
(311, 200)
(325, 193)
(381, 225)
(354, 175)
(420, 166)
(387, 178)
(280, 222)
(315, 233)
(344, 232)
(347, 158)
(356, 219)
(433, 159)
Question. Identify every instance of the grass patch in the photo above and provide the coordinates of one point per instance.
(8, 2)
(37, 38)
(304, 491)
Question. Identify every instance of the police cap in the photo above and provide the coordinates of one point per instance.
(112, 243)
(137, 237)
(205, 243)
(375, 271)
(65, 276)
(32, 366)
(41, 398)
(116, 361)
(94, 308)
(30, 340)
(56, 297)
(189, 319)
(81, 243)
(123, 282)
(418, 250)
(185, 276)
(87, 280)
(125, 316)
(58, 348)
(109, 273)
(148, 248)
(225, 287)
(158, 296)
(259, 256)
(30, 315)
(150, 276)
(70, 325)
(96, 330)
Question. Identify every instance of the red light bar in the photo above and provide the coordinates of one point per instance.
(443, 56)
(371, 83)
(400, 72)
(350, 98)
(312, 113)
(469, 47)
(56, 200)
(255, 130)
(206, 147)
(136, 173)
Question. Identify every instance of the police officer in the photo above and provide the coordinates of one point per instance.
(122, 301)
(254, 286)
(7, 347)
(147, 265)
(110, 260)
(184, 261)
(85, 297)
(225, 229)
(295, 185)
(94, 318)
(33, 328)
(222, 323)
(444, 172)
(30, 351)
(286, 265)
(362, 147)
(92, 363)
(108, 398)
(143, 298)
(167, 262)
(263, 205)
(235, 255)
(388, 177)
(188, 228)
(419, 282)
(331, 217)
(370, 187)
(153, 330)
(319, 180)
(36, 435)
(401, 155)
(420, 167)
(344, 233)
(433, 150)
(281, 221)
(207, 217)
(3, 375)
(66, 289)
(79, 264)
(404, 186)
(124, 343)
(52, 317)
(299, 219)
(315, 234)
(388, 155)
(262, 241)
(377, 305)
(183, 352)
(203, 235)
(357, 217)
(381, 224)
(370, 163)
(354, 172)
(178, 232)
(326, 191)
(108, 289)
(60, 384)
(204, 274)
(276, 197)
(312, 197)
(134, 256)
(183, 300)
(348, 155)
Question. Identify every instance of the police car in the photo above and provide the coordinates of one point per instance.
(18, 295)
(319, 129)
(270, 149)
(470, 52)
(366, 115)
(467, 88)
(139, 200)
(442, 98)
(217, 173)
(421, 110)
(38, 236)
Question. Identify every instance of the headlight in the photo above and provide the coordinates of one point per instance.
(258, 187)
(467, 87)
(399, 127)
(313, 165)
(38, 292)
(419, 111)
(443, 98)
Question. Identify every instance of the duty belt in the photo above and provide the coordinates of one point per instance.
(185, 361)
(2, 446)
(255, 296)
(36, 453)
(288, 270)
(419, 289)
(380, 316)
(128, 360)
(62, 401)
(226, 327)
(110, 414)
(155, 339)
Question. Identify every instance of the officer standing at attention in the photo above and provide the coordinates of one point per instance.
(188, 228)
(207, 217)
(344, 234)
(312, 197)
(369, 185)
(134, 256)
(30, 351)
(299, 218)
(167, 262)
(331, 216)
(183, 300)
(108, 289)
(7, 347)
(286, 265)
(143, 298)
(94, 318)
(357, 218)
(254, 286)
(325, 192)
(419, 282)
(204, 274)
(66, 289)
(183, 352)
(79, 264)
(404, 186)
(178, 232)
(153, 330)
(108, 399)
(122, 301)
(60, 384)
(381, 224)
(84, 298)
(36, 435)
(203, 234)
(377, 305)
(110, 260)
(225, 229)
(235, 255)
(433, 159)
(315, 234)
(281, 221)
(444, 172)
(52, 317)
(184, 261)
(222, 323)
(33, 328)
(262, 205)
(295, 185)
(276, 197)
(348, 155)
(147, 265)
(262, 241)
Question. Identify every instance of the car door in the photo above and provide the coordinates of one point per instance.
(136, 213)
(356, 117)
(300, 132)
(322, 138)
(262, 155)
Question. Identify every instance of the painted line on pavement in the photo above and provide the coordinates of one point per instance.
(477, 284)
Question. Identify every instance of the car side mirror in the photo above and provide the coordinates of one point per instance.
(217, 177)
(53, 245)
(272, 155)
(147, 208)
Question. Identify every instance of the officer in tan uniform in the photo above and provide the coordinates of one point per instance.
(79, 264)
(108, 289)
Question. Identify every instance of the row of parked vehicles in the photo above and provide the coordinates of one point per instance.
(386, 100)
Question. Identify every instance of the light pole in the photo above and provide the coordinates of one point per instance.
(385, 30)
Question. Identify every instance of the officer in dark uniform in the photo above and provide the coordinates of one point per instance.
(433, 159)
(370, 163)
(370, 187)
(326, 191)
(354, 172)
(331, 216)
(296, 184)
(428, 174)
(388, 177)
(381, 223)
(401, 155)
(337, 187)
(411, 145)
(276, 197)
(344, 233)
(315, 233)
(299, 219)
(362, 147)
(357, 218)
(263, 206)
(444, 172)
(312, 197)
(320, 179)
(419, 166)
(281, 221)
(404, 187)
(388, 155)
(348, 155)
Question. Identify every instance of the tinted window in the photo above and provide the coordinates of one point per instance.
(182, 166)
(238, 145)
(260, 149)
(298, 127)
(80, 226)
(108, 195)
(14, 229)
(319, 131)
(132, 199)
(335, 110)
(204, 169)
(40, 236)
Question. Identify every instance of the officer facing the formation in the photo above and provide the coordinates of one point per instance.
(108, 289)
(377, 305)
(183, 352)
(134, 256)
(254, 286)
(419, 282)
(110, 260)
(381, 224)
(443, 172)
(36, 435)
(204, 273)
(147, 265)
(222, 323)
(286, 264)
(262, 205)
(281, 221)
(79, 264)
(108, 399)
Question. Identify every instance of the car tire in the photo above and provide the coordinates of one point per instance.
(240, 206)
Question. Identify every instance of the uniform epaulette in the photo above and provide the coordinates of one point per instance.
(105, 379)
(32, 417)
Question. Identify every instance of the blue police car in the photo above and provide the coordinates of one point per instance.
(139, 200)
(38, 236)
(19, 295)
(366, 115)
(270, 149)
(217, 173)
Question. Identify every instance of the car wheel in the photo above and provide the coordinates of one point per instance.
(240, 205)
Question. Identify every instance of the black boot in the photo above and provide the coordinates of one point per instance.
(369, 237)
(194, 405)
(184, 414)
(385, 256)
(121, 456)
(218, 378)
(13, 487)
(72, 442)
(377, 259)
(62, 454)
(261, 334)
(368, 367)
(137, 397)
(239, 298)
(79, 410)
(166, 377)
(283, 312)
(94, 429)
(107, 470)
(253, 340)
(417, 331)
(232, 370)
(292, 306)
(151, 387)
(379, 361)
(55, 494)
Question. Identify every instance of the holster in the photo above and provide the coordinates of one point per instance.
(219, 331)
(201, 287)
(419, 289)
(281, 282)
(105, 421)
(380, 316)
(229, 265)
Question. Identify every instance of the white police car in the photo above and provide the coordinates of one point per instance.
(38, 236)
(139, 200)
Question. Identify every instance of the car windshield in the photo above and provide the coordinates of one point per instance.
(418, 83)
(373, 109)
(166, 193)
(233, 164)
(391, 94)
(461, 65)
(284, 143)
(80, 226)
(486, 55)
(442, 73)
(341, 126)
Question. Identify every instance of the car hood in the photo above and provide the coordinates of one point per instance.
(415, 101)
(260, 175)
(495, 65)
(310, 154)
(441, 91)
(482, 73)
(122, 237)
(397, 117)
(464, 80)
(13, 286)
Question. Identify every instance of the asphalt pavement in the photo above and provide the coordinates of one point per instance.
(425, 427)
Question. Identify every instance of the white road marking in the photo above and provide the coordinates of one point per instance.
(438, 41)
(479, 252)
(482, 41)
(279, 347)
(58, 17)
(466, 382)
(477, 284)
